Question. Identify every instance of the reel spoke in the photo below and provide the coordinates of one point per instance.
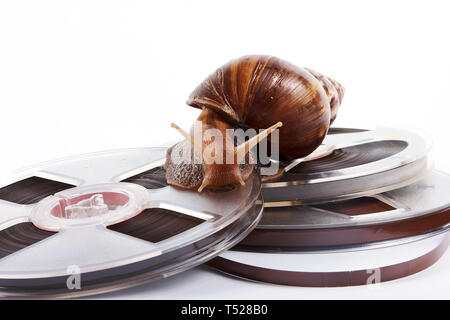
(295, 217)
(82, 248)
(12, 213)
(111, 166)
(204, 205)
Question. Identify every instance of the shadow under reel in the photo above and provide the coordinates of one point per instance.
(365, 200)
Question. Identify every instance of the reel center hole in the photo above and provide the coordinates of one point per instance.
(89, 205)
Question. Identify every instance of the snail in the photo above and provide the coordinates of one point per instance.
(259, 92)
(211, 162)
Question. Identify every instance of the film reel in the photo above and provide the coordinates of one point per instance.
(86, 221)
(112, 219)
(350, 242)
(352, 162)
(418, 208)
(337, 268)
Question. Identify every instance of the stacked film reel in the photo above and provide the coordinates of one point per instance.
(105, 221)
(352, 162)
(365, 206)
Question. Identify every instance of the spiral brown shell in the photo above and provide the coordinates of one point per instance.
(334, 90)
(257, 91)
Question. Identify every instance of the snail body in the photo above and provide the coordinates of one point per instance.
(209, 161)
(252, 92)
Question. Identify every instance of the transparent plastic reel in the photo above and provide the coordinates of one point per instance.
(316, 246)
(407, 164)
(105, 259)
(382, 262)
(419, 208)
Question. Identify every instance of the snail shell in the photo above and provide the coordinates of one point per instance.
(334, 90)
(256, 91)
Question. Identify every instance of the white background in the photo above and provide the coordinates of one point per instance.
(83, 76)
